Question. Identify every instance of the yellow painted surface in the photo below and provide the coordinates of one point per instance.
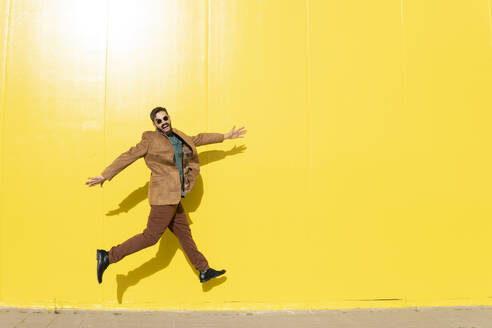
(364, 179)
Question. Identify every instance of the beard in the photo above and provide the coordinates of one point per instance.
(164, 132)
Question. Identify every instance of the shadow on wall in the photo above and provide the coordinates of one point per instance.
(169, 244)
(192, 200)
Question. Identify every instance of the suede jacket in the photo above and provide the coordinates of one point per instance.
(158, 152)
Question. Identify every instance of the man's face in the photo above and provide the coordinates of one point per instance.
(162, 122)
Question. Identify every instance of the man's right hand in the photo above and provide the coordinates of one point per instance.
(96, 180)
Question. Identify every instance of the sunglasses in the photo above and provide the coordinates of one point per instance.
(159, 121)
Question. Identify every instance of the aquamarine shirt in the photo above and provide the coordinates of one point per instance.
(178, 158)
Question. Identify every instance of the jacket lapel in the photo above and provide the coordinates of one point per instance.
(185, 139)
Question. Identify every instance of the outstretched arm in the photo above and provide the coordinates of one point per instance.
(128, 157)
(209, 138)
(122, 161)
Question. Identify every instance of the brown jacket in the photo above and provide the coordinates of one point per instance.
(158, 152)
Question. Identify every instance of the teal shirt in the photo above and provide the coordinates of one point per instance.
(178, 158)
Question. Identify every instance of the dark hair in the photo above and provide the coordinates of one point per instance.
(156, 110)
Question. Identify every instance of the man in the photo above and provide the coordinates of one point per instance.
(172, 157)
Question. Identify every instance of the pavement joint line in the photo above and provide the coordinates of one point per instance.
(49, 323)
(24, 319)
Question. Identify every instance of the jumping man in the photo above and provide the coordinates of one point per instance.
(172, 157)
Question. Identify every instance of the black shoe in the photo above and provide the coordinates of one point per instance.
(102, 263)
(209, 274)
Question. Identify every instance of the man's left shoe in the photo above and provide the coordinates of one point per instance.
(102, 263)
(209, 274)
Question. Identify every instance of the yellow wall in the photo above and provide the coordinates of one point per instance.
(364, 179)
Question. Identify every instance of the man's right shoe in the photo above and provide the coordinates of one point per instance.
(102, 263)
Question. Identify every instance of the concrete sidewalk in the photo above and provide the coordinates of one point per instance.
(415, 317)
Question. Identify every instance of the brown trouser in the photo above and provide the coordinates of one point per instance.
(160, 218)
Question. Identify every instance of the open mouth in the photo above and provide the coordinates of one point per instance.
(164, 126)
